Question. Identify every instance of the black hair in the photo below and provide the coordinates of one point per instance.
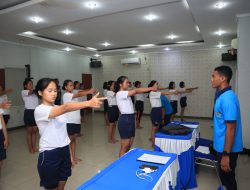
(42, 84)
(109, 84)
(65, 83)
(119, 81)
(26, 81)
(182, 84)
(171, 85)
(76, 82)
(105, 85)
(152, 83)
(137, 83)
(225, 71)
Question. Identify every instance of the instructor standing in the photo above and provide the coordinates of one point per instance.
(227, 126)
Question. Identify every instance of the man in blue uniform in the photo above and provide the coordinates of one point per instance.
(227, 126)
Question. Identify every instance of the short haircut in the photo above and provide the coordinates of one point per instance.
(225, 71)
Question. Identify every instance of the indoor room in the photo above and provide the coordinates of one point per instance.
(124, 94)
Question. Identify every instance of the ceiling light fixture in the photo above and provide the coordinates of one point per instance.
(220, 5)
(185, 42)
(36, 19)
(67, 49)
(197, 28)
(146, 45)
(106, 44)
(97, 55)
(91, 4)
(67, 32)
(172, 36)
(220, 32)
(221, 45)
(30, 33)
(133, 52)
(90, 48)
(166, 49)
(151, 17)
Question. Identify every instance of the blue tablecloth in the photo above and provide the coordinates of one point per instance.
(121, 174)
(183, 145)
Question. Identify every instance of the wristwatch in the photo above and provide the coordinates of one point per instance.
(225, 153)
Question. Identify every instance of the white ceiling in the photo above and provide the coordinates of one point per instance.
(121, 23)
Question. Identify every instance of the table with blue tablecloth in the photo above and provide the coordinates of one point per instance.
(183, 146)
(121, 174)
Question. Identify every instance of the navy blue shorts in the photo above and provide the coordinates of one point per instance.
(2, 150)
(139, 106)
(73, 128)
(113, 114)
(105, 105)
(29, 118)
(155, 116)
(183, 102)
(174, 105)
(54, 166)
(126, 126)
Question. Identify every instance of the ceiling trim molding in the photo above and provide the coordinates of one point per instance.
(20, 6)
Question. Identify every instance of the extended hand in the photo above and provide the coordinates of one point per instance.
(96, 102)
(5, 105)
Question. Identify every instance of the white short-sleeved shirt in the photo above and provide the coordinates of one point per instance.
(124, 102)
(2, 99)
(74, 116)
(140, 97)
(182, 92)
(53, 131)
(111, 98)
(105, 92)
(75, 91)
(173, 97)
(1, 112)
(155, 99)
(30, 101)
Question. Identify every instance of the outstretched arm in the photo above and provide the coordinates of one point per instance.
(95, 102)
(141, 90)
(6, 92)
(84, 93)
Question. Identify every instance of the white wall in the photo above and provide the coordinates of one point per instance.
(194, 67)
(244, 75)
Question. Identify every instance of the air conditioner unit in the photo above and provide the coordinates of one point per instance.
(135, 60)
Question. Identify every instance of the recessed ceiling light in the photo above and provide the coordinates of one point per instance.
(151, 17)
(67, 32)
(90, 48)
(197, 28)
(133, 52)
(97, 55)
(184, 42)
(106, 44)
(91, 4)
(220, 32)
(166, 49)
(220, 45)
(172, 36)
(36, 19)
(146, 45)
(220, 5)
(67, 49)
(30, 33)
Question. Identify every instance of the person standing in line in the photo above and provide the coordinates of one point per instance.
(4, 98)
(113, 112)
(55, 156)
(30, 103)
(139, 105)
(73, 118)
(105, 104)
(183, 97)
(58, 100)
(227, 126)
(126, 122)
(166, 110)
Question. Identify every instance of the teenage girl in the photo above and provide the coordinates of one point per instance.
(156, 111)
(126, 122)
(58, 100)
(113, 112)
(4, 142)
(30, 103)
(55, 157)
(105, 103)
(4, 98)
(139, 105)
(74, 117)
(183, 97)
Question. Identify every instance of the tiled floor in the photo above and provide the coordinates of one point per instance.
(19, 170)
